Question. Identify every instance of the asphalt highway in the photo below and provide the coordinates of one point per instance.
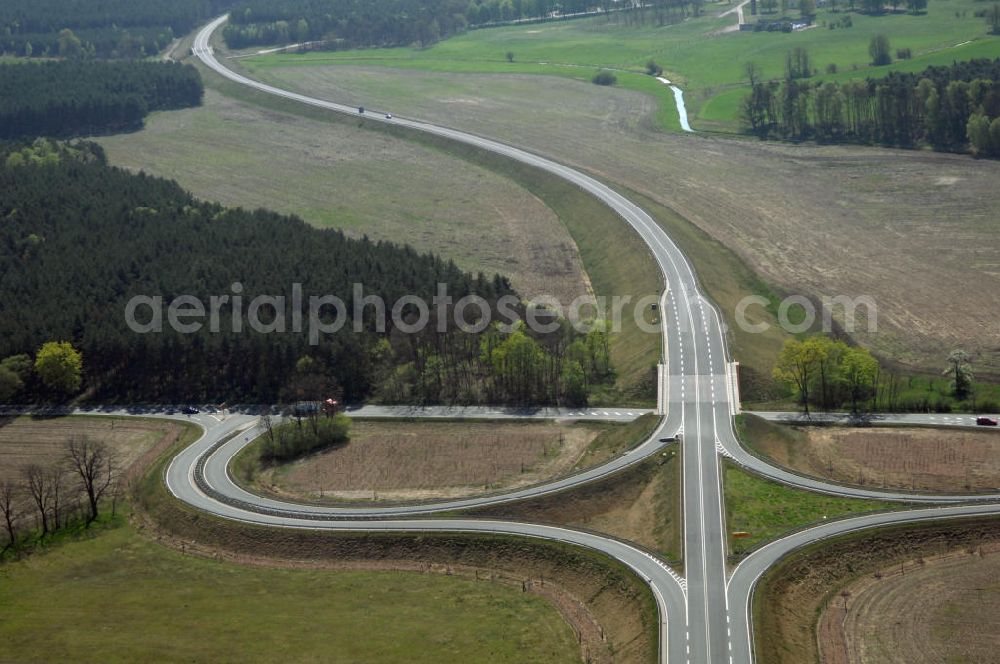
(691, 381)
(704, 615)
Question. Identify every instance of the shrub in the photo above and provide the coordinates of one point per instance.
(880, 51)
(604, 77)
(988, 406)
(653, 69)
(904, 54)
(303, 436)
(831, 68)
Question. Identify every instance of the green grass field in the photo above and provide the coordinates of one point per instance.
(118, 596)
(707, 65)
(766, 509)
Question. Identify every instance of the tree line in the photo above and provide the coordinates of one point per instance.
(79, 239)
(357, 23)
(951, 108)
(652, 12)
(344, 23)
(72, 98)
(301, 436)
(101, 28)
(45, 498)
(828, 374)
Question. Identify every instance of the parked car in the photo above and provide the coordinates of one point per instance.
(361, 109)
(189, 410)
(388, 116)
(986, 422)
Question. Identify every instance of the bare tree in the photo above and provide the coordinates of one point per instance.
(267, 425)
(8, 500)
(94, 464)
(56, 477)
(37, 480)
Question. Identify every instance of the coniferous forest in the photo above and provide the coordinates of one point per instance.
(347, 23)
(360, 23)
(78, 239)
(99, 28)
(954, 108)
(76, 97)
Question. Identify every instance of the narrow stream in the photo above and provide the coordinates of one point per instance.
(679, 98)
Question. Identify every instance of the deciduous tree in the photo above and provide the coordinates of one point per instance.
(69, 44)
(797, 364)
(93, 463)
(880, 50)
(60, 366)
(10, 384)
(8, 509)
(978, 133)
(859, 370)
(961, 373)
(36, 479)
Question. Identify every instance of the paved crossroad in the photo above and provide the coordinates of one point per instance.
(704, 616)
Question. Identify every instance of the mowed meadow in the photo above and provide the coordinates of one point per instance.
(118, 596)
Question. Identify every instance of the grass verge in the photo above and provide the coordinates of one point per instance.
(617, 439)
(765, 510)
(790, 597)
(641, 504)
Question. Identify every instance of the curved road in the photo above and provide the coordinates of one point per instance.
(695, 391)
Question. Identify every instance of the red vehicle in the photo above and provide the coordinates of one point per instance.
(986, 421)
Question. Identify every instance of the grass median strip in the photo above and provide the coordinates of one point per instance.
(759, 510)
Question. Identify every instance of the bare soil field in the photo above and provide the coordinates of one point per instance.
(951, 626)
(387, 460)
(364, 183)
(930, 610)
(933, 460)
(815, 220)
(25, 440)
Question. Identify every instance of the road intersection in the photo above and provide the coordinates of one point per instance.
(704, 615)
